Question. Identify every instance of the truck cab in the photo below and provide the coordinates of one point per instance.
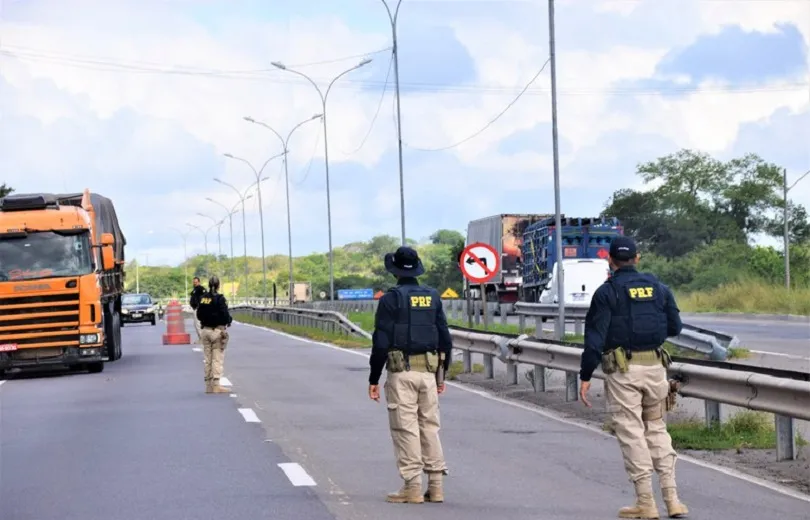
(55, 309)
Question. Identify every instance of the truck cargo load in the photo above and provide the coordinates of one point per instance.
(582, 238)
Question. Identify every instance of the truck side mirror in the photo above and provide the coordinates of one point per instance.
(107, 254)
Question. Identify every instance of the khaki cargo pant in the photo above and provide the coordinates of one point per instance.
(413, 418)
(214, 343)
(635, 400)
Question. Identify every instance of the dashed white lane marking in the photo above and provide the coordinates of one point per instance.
(196, 349)
(234, 395)
(224, 381)
(297, 475)
(708, 465)
(2, 381)
(249, 415)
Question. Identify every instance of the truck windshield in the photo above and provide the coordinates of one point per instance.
(45, 255)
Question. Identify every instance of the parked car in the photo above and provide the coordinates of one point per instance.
(137, 308)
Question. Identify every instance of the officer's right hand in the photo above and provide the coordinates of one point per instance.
(441, 388)
(374, 392)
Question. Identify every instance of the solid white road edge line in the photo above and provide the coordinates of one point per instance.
(297, 475)
(1, 382)
(791, 356)
(481, 393)
(249, 415)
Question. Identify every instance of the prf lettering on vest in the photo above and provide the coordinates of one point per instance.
(205, 301)
(421, 301)
(641, 293)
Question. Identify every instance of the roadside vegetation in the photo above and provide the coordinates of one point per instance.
(745, 430)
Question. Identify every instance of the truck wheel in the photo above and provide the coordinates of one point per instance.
(95, 368)
(154, 322)
(116, 326)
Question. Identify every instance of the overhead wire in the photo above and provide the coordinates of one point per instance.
(269, 76)
(311, 158)
(377, 112)
(491, 121)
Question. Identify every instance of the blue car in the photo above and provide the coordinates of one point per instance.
(138, 308)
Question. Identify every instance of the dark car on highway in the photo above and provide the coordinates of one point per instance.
(138, 308)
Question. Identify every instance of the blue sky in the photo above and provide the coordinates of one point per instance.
(133, 102)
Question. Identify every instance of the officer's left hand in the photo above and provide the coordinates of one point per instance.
(583, 392)
(374, 392)
(441, 388)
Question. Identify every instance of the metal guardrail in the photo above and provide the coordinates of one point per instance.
(711, 343)
(786, 398)
(328, 321)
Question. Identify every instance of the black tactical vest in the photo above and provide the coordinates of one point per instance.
(415, 330)
(639, 321)
(208, 310)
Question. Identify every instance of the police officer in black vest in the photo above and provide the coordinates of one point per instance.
(214, 317)
(630, 318)
(411, 337)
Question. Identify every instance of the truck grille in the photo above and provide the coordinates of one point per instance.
(40, 321)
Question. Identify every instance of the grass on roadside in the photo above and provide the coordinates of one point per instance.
(457, 367)
(748, 297)
(340, 340)
(745, 430)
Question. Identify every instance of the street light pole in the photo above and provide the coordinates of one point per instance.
(242, 199)
(218, 224)
(284, 143)
(261, 213)
(205, 235)
(395, 46)
(786, 237)
(323, 97)
(229, 213)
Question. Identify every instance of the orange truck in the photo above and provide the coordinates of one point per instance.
(61, 281)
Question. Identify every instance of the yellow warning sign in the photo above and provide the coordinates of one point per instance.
(449, 293)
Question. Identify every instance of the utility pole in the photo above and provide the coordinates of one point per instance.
(787, 230)
(555, 147)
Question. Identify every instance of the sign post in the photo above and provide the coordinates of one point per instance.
(480, 263)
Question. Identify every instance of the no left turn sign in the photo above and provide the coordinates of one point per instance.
(480, 262)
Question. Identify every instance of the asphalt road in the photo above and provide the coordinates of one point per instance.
(791, 338)
(506, 460)
(141, 440)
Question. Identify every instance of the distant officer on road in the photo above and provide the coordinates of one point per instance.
(194, 302)
(214, 317)
(630, 318)
(411, 337)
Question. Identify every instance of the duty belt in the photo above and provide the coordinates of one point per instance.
(644, 357)
(418, 362)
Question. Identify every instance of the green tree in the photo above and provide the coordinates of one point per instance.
(5, 190)
(449, 237)
(701, 200)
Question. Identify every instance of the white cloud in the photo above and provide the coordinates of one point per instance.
(85, 104)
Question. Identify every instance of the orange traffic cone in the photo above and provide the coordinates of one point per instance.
(175, 326)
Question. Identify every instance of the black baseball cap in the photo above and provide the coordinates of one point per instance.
(623, 248)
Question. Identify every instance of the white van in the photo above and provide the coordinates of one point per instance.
(582, 277)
